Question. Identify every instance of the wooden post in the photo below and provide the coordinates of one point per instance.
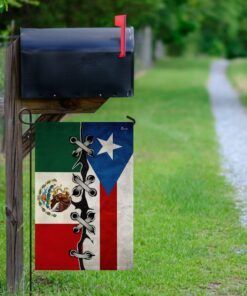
(17, 147)
(13, 148)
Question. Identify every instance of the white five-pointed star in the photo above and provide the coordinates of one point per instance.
(108, 146)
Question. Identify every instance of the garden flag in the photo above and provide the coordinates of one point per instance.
(84, 196)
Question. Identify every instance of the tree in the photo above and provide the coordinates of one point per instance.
(3, 5)
(176, 20)
(219, 26)
(212, 27)
(16, 3)
(78, 13)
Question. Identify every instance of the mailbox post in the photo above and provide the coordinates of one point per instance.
(53, 72)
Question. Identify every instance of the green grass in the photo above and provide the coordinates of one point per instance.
(187, 230)
(237, 72)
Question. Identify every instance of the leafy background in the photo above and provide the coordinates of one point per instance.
(216, 28)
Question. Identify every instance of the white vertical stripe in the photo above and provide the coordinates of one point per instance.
(125, 218)
(93, 203)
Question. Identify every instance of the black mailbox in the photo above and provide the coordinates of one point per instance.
(76, 63)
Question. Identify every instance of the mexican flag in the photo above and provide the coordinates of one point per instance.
(84, 196)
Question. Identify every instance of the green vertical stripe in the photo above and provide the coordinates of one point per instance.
(53, 149)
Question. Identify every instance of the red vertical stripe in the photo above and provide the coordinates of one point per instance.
(108, 229)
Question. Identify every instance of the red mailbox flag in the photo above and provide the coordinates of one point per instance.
(120, 21)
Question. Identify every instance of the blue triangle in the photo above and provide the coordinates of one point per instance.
(109, 169)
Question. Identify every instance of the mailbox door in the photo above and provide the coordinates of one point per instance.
(76, 63)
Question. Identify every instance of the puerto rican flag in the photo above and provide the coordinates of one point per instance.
(84, 196)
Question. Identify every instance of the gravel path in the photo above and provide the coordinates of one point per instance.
(231, 128)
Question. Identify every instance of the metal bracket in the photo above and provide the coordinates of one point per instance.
(132, 119)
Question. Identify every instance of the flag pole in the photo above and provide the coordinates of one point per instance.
(29, 136)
